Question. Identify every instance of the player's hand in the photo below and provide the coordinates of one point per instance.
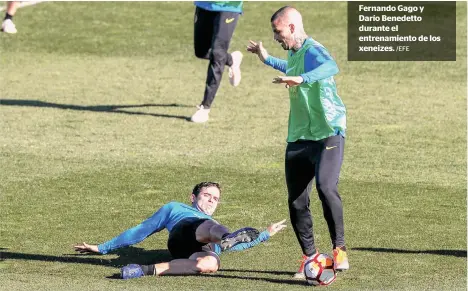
(289, 81)
(257, 48)
(276, 227)
(85, 248)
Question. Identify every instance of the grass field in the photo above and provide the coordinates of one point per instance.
(93, 105)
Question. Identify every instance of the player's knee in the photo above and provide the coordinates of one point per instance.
(298, 204)
(208, 264)
(327, 188)
(219, 56)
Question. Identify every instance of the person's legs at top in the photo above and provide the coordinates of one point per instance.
(202, 39)
(203, 32)
(7, 25)
(224, 24)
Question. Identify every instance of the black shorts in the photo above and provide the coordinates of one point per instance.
(182, 242)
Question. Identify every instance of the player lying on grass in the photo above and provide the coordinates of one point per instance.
(195, 238)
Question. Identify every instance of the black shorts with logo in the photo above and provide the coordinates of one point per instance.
(182, 242)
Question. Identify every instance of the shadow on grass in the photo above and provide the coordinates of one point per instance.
(271, 280)
(133, 255)
(220, 275)
(130, 255)
(261, 272)
(96, 108)
(455, 253)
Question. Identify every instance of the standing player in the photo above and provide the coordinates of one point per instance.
(215, 22)
(195, 239)
(316, 131)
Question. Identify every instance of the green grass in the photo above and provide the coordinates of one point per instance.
(93, 140)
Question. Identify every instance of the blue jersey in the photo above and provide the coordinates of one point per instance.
(165, 218)
(220, 6)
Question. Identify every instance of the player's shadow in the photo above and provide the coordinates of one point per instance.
(129, 255)
(220, 275)
(96, 108)
(454, 253)
(287, 273)
(133, 255)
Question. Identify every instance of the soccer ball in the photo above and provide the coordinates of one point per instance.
(320, 270)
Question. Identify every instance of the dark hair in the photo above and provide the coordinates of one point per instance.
(279, 13)
(199, 186)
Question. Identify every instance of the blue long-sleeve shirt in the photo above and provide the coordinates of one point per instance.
(166, 218)
(318, 64)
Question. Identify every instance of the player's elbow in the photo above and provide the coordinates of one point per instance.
(332, 68)
(335, 70)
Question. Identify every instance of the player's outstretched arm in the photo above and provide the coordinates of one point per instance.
(129, 237)
(136, 234)
(276, 227)
(261, 52)
(258, 49)
(86, 248)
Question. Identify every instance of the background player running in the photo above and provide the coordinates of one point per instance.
(214, 25)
